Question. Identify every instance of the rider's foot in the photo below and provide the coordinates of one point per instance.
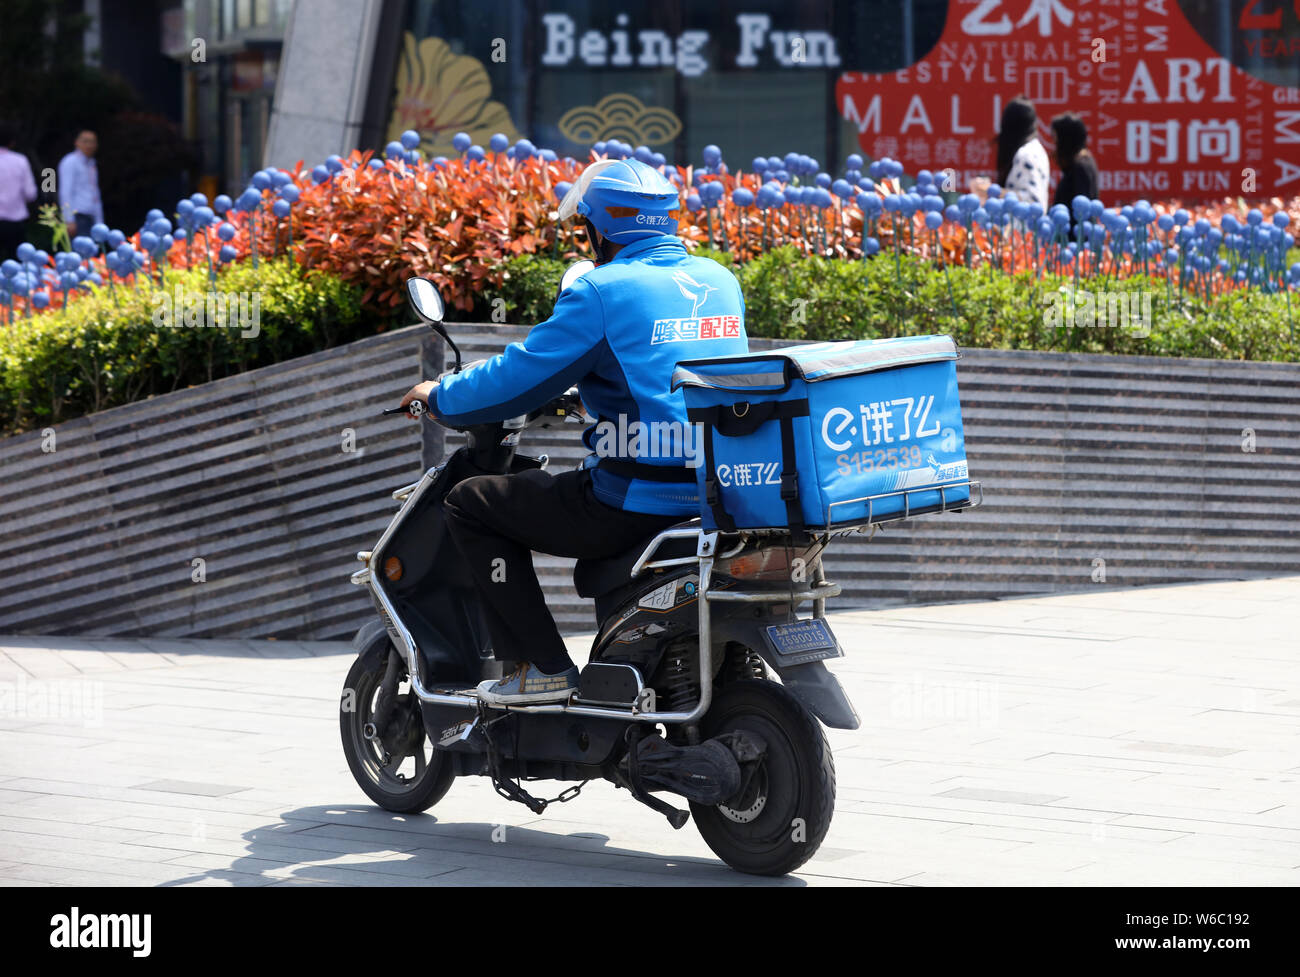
(527, 684)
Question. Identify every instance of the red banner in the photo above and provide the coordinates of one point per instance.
(1167, 114)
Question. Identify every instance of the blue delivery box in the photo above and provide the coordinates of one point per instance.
(827, 435)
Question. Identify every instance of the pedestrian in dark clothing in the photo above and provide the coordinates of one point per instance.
(1078, 168)
(17, 190)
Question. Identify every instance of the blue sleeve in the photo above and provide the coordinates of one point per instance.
(555, 355)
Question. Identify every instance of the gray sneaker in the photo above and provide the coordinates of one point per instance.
(528, 683)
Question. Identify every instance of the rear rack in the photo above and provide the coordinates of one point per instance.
(974, 497)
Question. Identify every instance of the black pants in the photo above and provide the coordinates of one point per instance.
(12, 234)
(496, 520)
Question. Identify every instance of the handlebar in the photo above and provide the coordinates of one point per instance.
(561, 409)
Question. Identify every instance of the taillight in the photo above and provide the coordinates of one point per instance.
(766, 563)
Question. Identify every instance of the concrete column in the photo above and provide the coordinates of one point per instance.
(320, 95)
(90, 38)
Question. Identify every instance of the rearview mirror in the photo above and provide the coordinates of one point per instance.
(425, 300)
(573, 273)
(427, 303)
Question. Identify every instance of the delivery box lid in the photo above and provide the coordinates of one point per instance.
(773, 370)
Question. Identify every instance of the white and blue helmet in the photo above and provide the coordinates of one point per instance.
(624, 199)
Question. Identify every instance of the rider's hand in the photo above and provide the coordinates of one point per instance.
(423, 392)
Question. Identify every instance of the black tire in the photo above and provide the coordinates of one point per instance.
(431, 775)
(791, 800)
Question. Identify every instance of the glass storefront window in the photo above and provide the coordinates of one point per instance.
(672, 76)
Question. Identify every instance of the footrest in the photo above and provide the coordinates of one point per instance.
(465, 692)
(604, 684)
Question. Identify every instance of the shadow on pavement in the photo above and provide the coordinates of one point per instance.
(449, 853)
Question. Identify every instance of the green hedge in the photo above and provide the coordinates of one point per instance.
(789, 295)
(108, 349)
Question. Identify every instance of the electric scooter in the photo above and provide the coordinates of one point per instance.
(704, 682)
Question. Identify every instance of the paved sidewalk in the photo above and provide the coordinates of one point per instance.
(1139, 737)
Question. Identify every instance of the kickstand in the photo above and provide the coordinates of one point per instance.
(676, 817)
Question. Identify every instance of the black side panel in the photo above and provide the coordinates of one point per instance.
(519, 736)
(567, 739)
(435, 596)
(639, 620)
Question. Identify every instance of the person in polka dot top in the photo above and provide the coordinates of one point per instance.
(1023, 168)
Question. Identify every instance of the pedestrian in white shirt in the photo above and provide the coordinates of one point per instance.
(79, 186)
(1023, 168)
(17, 190)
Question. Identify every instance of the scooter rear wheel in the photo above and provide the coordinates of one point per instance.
(431, 774)
(781, 818)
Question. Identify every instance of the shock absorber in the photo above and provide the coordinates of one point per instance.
(681, 685)
(744, 663)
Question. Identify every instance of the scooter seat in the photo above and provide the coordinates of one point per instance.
(596, 578)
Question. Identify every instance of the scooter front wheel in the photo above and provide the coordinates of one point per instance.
(783, 814)
(397, 768)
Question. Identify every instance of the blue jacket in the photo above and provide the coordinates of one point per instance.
(617, 333)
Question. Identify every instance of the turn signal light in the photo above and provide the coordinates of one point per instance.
(393, 569)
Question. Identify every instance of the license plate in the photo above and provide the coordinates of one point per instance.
(803, 641)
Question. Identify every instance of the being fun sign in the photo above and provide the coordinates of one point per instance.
(1167, 112)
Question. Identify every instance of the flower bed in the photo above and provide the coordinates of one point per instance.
(373, 222)
(110, 349)
(791, 295)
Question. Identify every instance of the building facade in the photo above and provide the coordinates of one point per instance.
(1189, 98)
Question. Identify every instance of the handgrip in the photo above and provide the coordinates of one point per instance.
(415, 408)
